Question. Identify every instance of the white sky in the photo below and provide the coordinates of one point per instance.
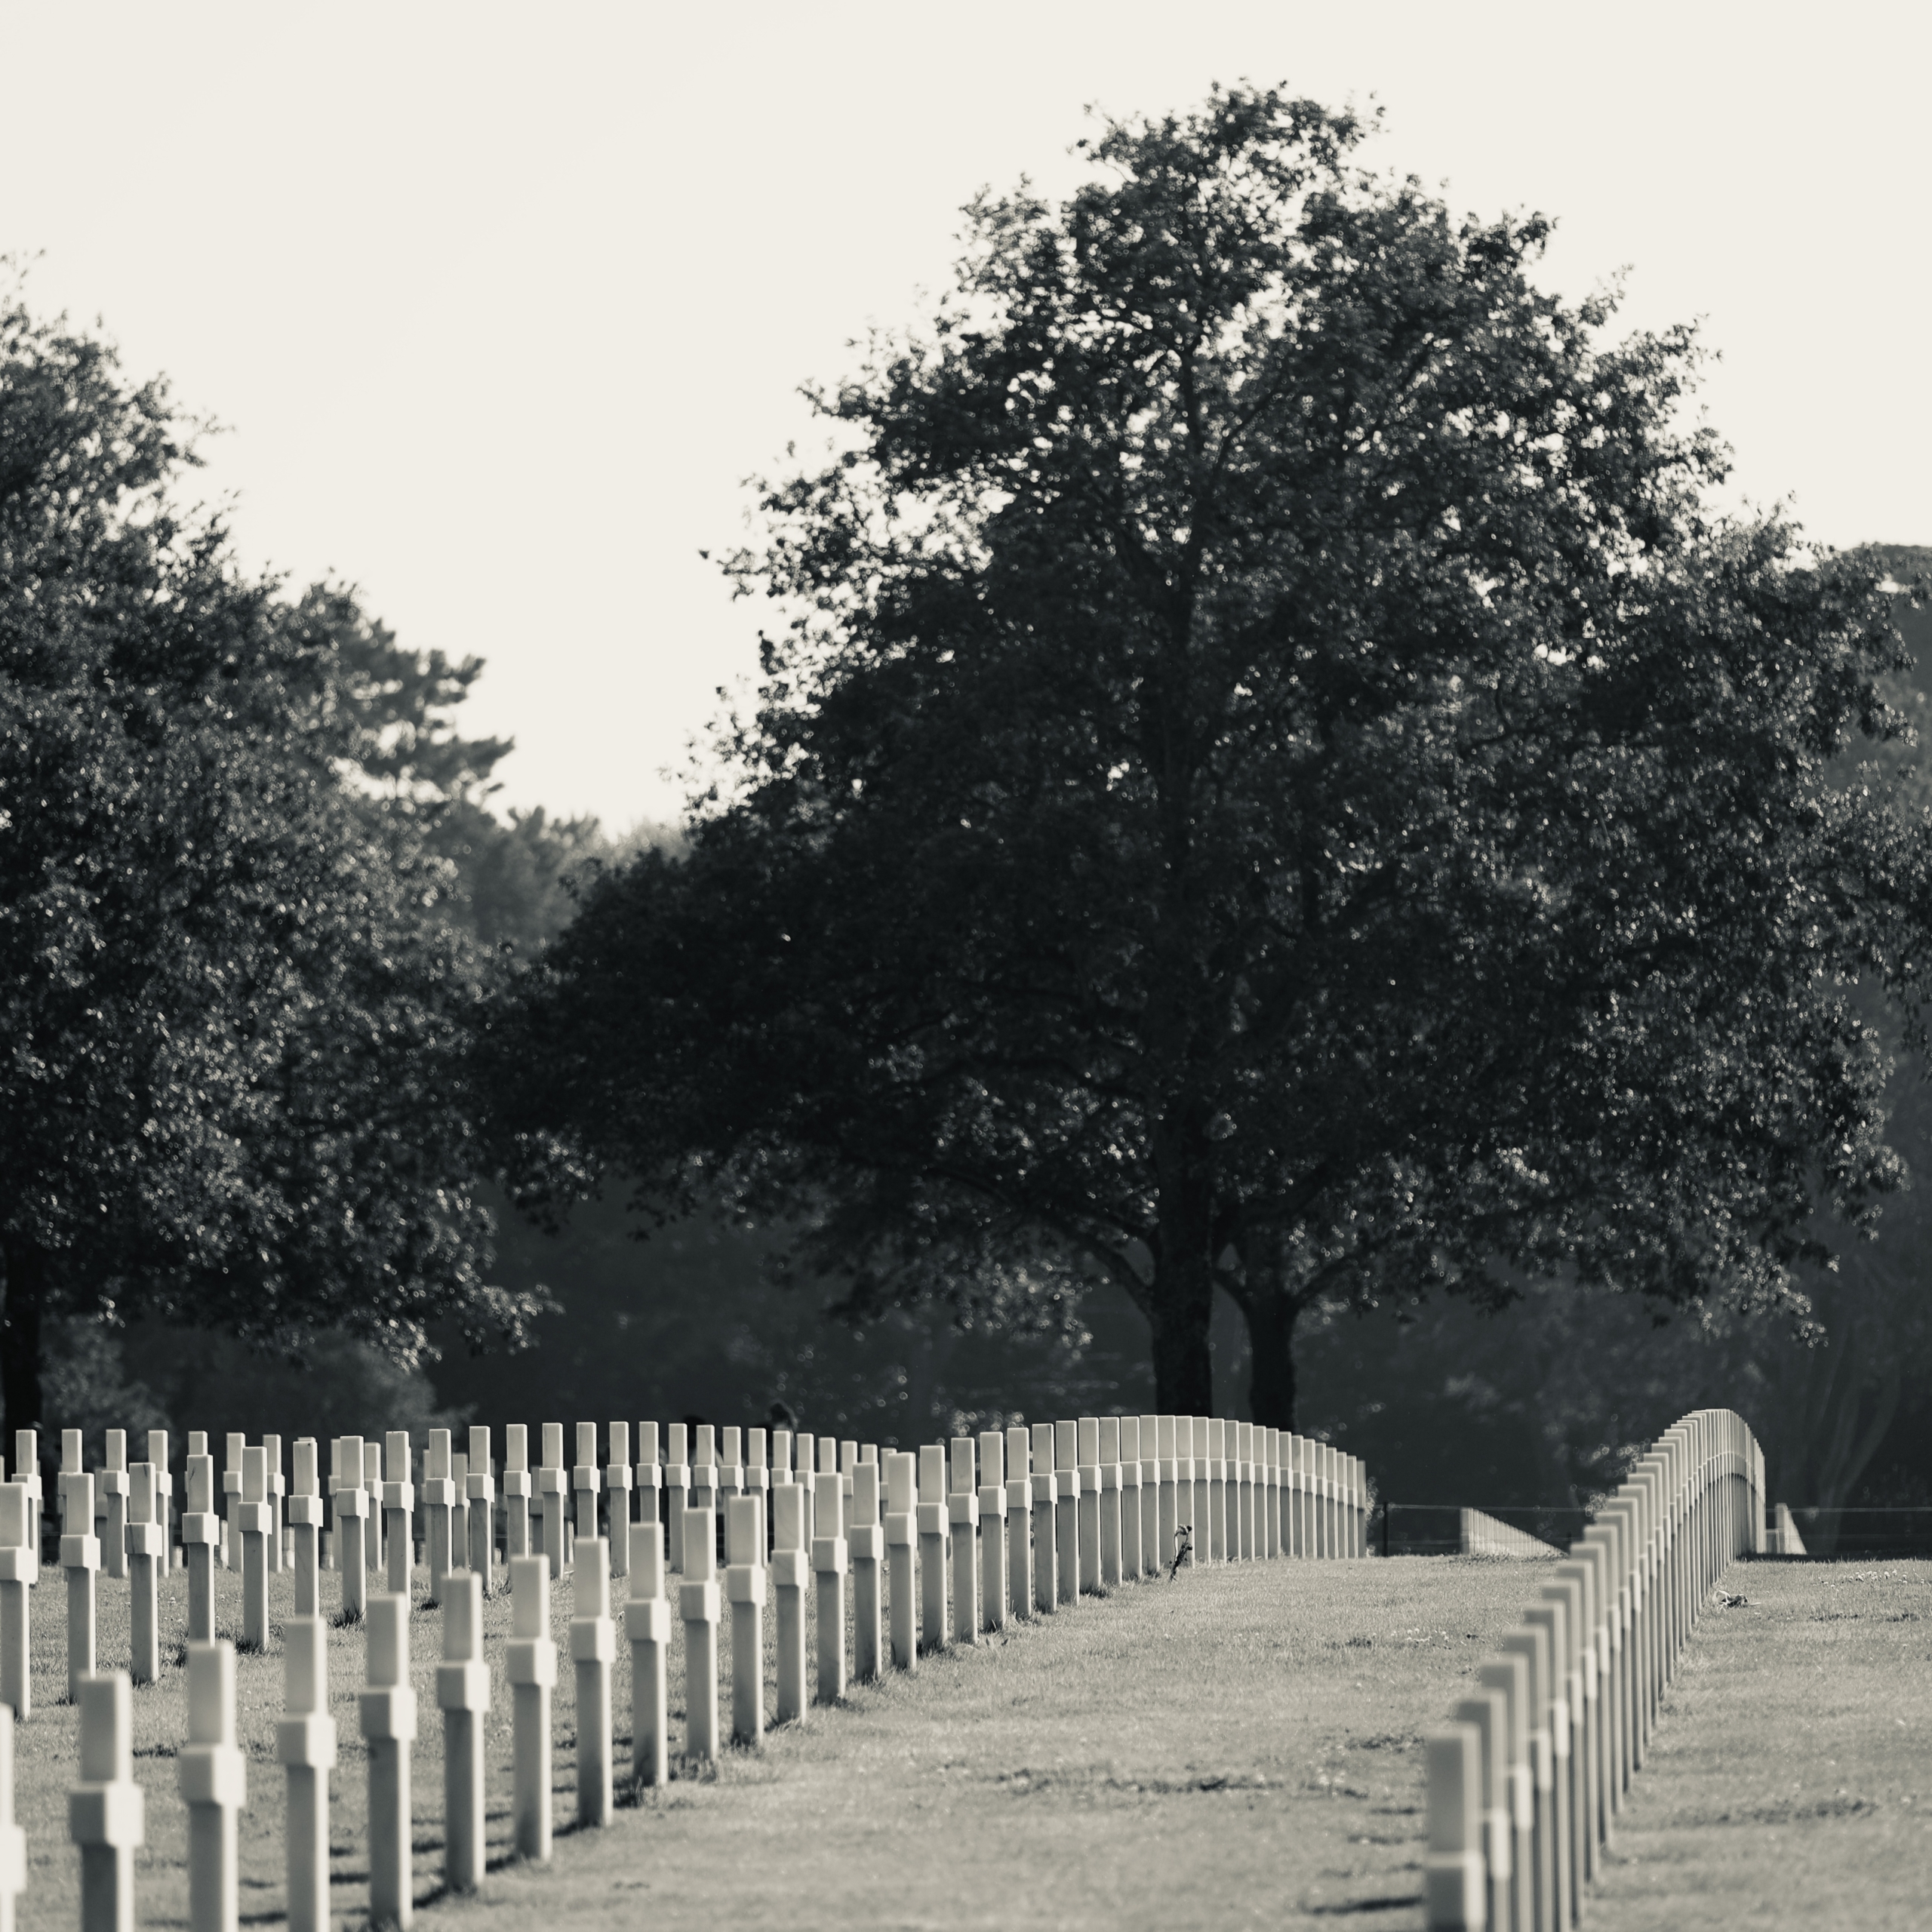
(501, 306)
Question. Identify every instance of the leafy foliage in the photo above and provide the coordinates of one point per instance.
(234, 1092)
(1271, 775)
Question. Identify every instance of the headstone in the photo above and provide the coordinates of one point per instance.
(1551, 1618)
(516, 1493)
(901, 1534)
(111, 1487)
(164, 1494)
(530, 1663)
(462, 1696)
(1086, 1462)
(994, 1587)
(704, 1481)
(1204, 1490)
(277, 1494)
(1152, 1559)
(1454, 1883)
(1108, 1499)
(20, 1569)
(80, 1558)
(586, 1480)
(804, 1467)
(145, 1557)
(231, 1496)
(254, 1519)
(744, 1589)
(1243, 1477)
(552, 1503)
(647, 1629)
(13, 1840)
(398, 1513)
(1045, 1502)
(26, 1470)
(1019, 1521)
(305, 1528)
(866, 1544)
(649, 1476)
(933, 1524)
(375, 1540)
(1510, 1677)
(677, 1489)
(1532, 1647)
(387, 1708)
(107, 1810)
(618, 1510)
(829, 1564)
(962, 1504)
(1130, 1497)
(305, 1745)
(1488, 1712)
(439, 1508)
(593, 1650)
(698, 1609)
(758, 1477)
(1173, 1511)
(480, 1488)
(730, 1468)
(1073, 1575)
(459, 1508)
(790, 1561)
(1217, 1550)
(350, 1503)
(214, 1776)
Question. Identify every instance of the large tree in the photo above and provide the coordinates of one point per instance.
(1270, 773)
(233, 1088)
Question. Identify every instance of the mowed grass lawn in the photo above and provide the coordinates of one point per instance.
(1238, 1747)
(1790, 1783)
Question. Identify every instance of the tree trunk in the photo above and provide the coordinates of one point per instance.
(19, 1337)
(1181, 1308)
(1272, 1313)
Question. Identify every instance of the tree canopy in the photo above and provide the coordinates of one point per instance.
(234, 1090)
(1268, 771)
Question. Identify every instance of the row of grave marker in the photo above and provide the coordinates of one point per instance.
(952, 1541)
(1525, 1785)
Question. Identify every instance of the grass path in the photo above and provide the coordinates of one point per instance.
(1237, 1748)
(1790, 1783)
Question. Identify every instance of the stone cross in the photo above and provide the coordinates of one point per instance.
(277, 1492)
(1217, 1549)
(213, 1777)
(650, 1476)
(111, 1487)
(20, 1569)
(866, 1542)
(13, 1840)
(901, 1542)
(26, 1470)
(1550, 1619)
(804, 1467)
(933, 1527)
(1152, 1561)
(829, 1563)
(1087, 1466)
(1510, 1676)
(593, 1650)
(730, 1467)
(1532, 1647)
(253, 1518)
(586, 1480)
(231, 1494)
(677, 1489)
(530, 1663)
(993, 1584)
(698, 1609)
(1487, 1713)
(305, 1528)
(164, 1493)
(145, 1555)
(1073, 1576)
(744, 1590)
(1130, 1497)
(80, 1558)
(305, 1743)
(375, 1542)
(439, 1506)
(1045, 1501)
(460, 1508)
(1019, 1521)
(351, 1504)
(962, 1504)
(1170, 1508)
(399, 1510)
(551, 1481)
(789, 1564)
(1108, 1469)
(647, 1627)
(1455, 1884)
(704, 1477)
(516, 1491)
(387, 1708)
(107, 1815)
(617, 1511)
(480, 1488)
